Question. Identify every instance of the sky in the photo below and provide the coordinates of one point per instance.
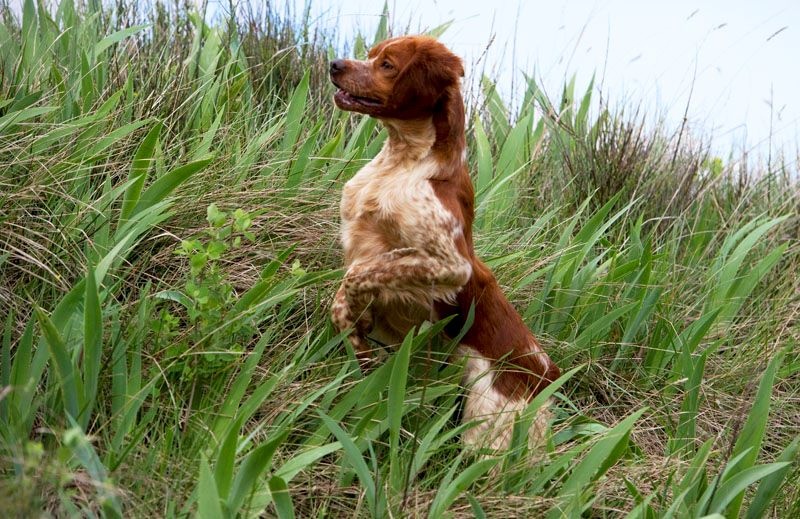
(736, 63)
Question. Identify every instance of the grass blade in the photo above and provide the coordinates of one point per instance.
(395, 408)
(67, 374)
(597, 461)
(483, 153)
(92, 346)
(165, 185)
(770, 484)
(733, 488)
(447, 494)
(353, 456)
(116, 37)
(140, 165)
(687, 419)
(226, 457)
(749, 440)
(5, 365)
(8, 120)
(208, 503)
(252, 467)
(281, 497)
(305, 459)
(294, 114)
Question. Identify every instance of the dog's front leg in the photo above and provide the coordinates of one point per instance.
(345, 316)
(401, 273)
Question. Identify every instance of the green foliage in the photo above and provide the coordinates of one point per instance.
(208, 300)
(168, 251)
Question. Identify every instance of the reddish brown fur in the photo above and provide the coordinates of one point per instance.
(421, 83)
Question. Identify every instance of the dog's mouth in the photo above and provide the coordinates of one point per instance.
(345, 99)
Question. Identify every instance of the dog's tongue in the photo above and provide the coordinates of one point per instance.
(343, 94)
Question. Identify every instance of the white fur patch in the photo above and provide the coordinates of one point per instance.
(497, 412)
(394, 191)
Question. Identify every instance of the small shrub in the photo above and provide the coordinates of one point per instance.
(202, 312)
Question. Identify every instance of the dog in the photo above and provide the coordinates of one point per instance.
(406, 230)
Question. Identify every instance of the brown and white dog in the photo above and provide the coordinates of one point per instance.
(407, 234)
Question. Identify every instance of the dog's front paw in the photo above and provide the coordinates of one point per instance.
(341, 316)
(344, 318)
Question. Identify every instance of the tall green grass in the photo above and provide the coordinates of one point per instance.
(168, 251)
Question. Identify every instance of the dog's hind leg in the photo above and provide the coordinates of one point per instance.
(494, 411)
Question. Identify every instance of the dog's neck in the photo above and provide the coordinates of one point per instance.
(440, 135)
(411, 140)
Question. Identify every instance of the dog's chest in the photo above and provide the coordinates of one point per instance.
(386, 206)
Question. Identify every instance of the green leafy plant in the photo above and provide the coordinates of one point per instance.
(208, 299)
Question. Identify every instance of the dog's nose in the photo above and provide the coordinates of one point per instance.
(337, 66)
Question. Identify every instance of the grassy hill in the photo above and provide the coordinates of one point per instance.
(168, 253)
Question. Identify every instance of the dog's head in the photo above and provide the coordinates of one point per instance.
(402, 78)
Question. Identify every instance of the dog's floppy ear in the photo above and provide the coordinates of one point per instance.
(447, 64)
(457, 65)
(424, 78)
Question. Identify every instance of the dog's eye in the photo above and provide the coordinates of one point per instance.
(387, 65)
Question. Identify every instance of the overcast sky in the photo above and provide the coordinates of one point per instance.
(742, 57)
(739, 59)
